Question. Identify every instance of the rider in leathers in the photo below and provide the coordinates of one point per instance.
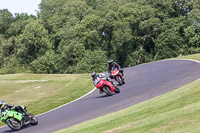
(111, 65)
(96, 79)
(19, 109)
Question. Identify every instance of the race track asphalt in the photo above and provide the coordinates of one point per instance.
(143, 82)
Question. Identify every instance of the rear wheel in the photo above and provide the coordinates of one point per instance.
(107, 90)
(14, 124)
(34, 120)
(117, 90)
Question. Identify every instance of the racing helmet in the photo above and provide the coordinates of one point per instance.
(93, 75)
(110, 61)
(2, 104)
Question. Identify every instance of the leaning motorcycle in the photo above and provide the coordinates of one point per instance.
(117, 76)
(16, 120)
(107, 87)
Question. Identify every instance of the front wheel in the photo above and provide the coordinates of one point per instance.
(14, 124)
(107, 90)
(119, 80)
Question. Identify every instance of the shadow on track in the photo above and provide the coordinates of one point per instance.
(12, 131)
(106, 95)
(102, 96)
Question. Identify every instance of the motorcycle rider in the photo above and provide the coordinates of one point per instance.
(111, 65)
(19, 109)
(96, 79)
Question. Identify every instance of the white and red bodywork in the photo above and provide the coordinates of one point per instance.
(116, 73)
(103, 83)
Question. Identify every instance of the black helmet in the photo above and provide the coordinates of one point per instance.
(93, 74)
(110, 61)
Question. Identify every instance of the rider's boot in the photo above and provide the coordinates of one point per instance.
(25, 120)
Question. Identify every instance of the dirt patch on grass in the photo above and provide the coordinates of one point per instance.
(122, 128)
(28, 81)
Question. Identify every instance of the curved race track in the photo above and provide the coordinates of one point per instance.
(142, 83)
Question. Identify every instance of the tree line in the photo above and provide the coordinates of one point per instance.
(79, 36)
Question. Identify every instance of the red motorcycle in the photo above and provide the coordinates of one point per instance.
(107, 87)
(117, 76)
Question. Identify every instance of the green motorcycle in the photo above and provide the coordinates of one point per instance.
(16, 120)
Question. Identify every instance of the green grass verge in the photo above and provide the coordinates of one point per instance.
(194, 57)
(43, 92)
(177, 111)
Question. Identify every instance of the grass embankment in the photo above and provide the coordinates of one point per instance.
(194, 57)
(177, 111)
(43, 92)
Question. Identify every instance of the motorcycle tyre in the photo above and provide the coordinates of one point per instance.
(117, 90)
(118, 78)
(12, 127)
(107, 90)
(34, 120)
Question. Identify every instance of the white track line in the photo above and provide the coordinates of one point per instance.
(68, 102)
(63, 104)
(95, 88)
(189, 60)
(174, 59)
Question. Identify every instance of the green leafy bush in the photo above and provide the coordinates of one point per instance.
(49, 63)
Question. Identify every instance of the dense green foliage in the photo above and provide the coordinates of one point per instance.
(79, 36)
